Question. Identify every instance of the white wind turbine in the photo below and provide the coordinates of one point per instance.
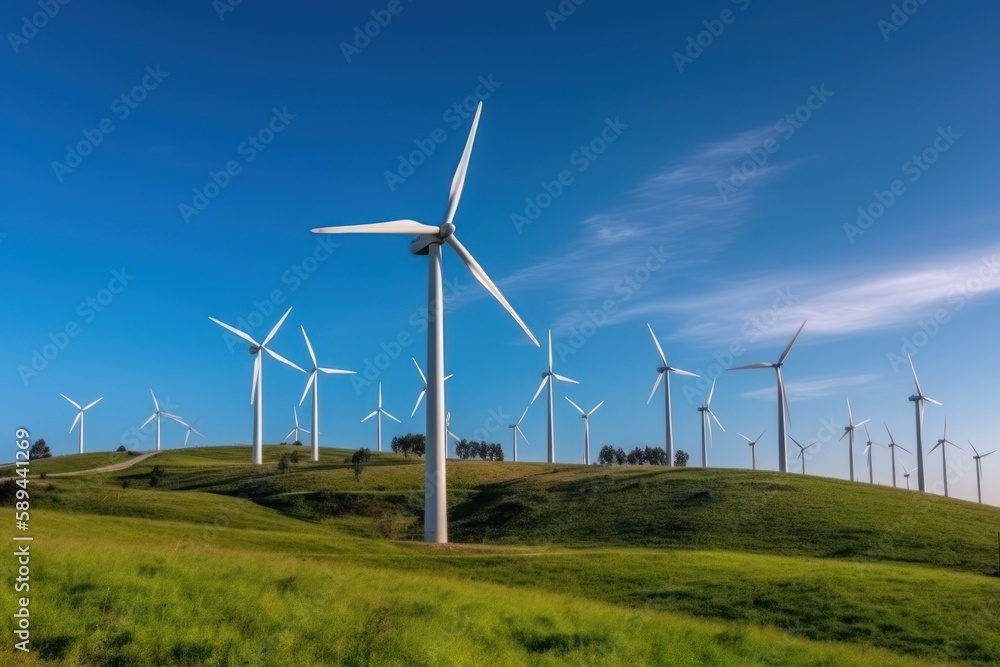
(663, 375)
(978, 458)
(429, 241)
(313, 382)
(423, 391)
(892, 449)
(906, 475)
(753, 446)
(918, 401)
(849, 431)
(191, 429)
(586, 429)
(944, 457)
(447, 427)
(378, 415)
(79, 415)
(257, 386)
(802, 452)
(516, 429)
(706, 425)
(783, 416)
(157, 414)
(868, 454)
(295, 431)
(547, 380)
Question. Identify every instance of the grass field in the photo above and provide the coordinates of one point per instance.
(232, 564)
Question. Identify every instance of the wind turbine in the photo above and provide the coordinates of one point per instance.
(423, 391)
(447, 427)
(979, 470)
(157, 413)
(906, 475)
(706, 425)
(753, 446)
(79, 415)
(868, 453)
(313, 382)
(663, 375)
(783, 417)
(802, 452)
(257, 386)
(547, 378)
(191, 429)
(297, 428)
(428, 242)
(944, 458)
(849, 431)
(515, 429)
(918, 401)
(892, 450)
(586, 429)
(378, 415)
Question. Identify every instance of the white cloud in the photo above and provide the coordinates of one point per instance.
(813, 388)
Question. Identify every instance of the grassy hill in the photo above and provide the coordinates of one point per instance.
(229, 563)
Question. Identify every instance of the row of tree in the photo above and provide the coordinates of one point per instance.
(652, 456)
(487, 451)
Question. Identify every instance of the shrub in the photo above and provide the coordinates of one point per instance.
(121, 448)
(156, 477)
(681, 458)
(39, 450)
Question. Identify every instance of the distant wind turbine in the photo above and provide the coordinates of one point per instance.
(428, 242)
(802, 452)
(447, 427)
(191, 429)
(586, 428)
(918, 401)
(706, 425)
(892, 449)
(313, 382)
(516, 429)
(783, 415)
(378, 415)
(979, 470)
(663, 375)
(547, 380)
(906, 476)
(257, 386)
(423, 391)
(79, 415)
(944, 457)
(295, 431)
(849, 431)
(753, 446)
(868, 454)
(157, 414)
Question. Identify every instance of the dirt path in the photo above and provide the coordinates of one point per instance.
(111, 468)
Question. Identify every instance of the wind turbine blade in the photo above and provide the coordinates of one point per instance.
(458, 181)
(788, 349)
(419, 399)
(892, 440)
(523, 415)
(522, 434)
(405, 227)
(850, 415)
(448, 377)
(710, 394)
(656, 385)
(236, 332)
(712, 415)
(94, 403)
(843, 436)
(868, 436)
(659, 349)
(595, 408)
(931, 400)
(983, 456)
(862, 423)
(480, 275)
(550, 350)
(336, 371)
(312, 353)
(761, 435)
(422, 376)
(391, 417)
(750, 367)
(685, 373)
(915, 380)
(940, 442)
(578, 408)
(540, 387)
(176, 418)
(282, 359)
(563, 378)
(795, 441)
(156, 404)
(72, 402)
(784, 397)
(973, 448)
(187, 436)
(256, 377)
(79, 415)
(151, 418)
(275, 329)
(904, 449)
(744, 437)
(309, 384)
(289, 434)
(369, 416)
(196, 431)
(454, 436)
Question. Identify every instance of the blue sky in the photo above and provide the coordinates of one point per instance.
(711, 187)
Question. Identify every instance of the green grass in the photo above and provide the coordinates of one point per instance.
(72, 463)
(231, 564)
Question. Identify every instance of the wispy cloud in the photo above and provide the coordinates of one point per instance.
(814, 387)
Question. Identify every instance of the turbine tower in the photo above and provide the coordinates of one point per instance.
(918, 401)
(849, 431)
(802, 452)
(586, 429)
(157, 413)
(429, 242)
(892, 450)
(753, 446)
(79, 415)
(516, 429)
(783, 416)
(257, 385)
(295, 431)
(906, 476)
(663, 375)
(378, 415)
(313, 382)
(979, 470)
(868, 453)
(706, 425)
(547, 379)
(944, 457)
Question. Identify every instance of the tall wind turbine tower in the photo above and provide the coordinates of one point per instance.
(979, 470)
(753, 446)
(849, 431)
(378, 416)
(892, 449)
(944, 456)
(157, 414)
(548, 377)
(663, 375)
(79, 415)
(918, 401)
(586, 428)
(313, 383)
(868, 454)
(802, 452)
(516, 429)
(706, 425)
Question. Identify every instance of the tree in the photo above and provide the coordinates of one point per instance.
(620, 457)
(156, 477)
(681, 458)
(606, 457)
(490, 451)
(121, 448)
(655, 456)
(283, 464)
(297, 443)
(359, 459)
(411, 443)
(636, 457)
(39, 450)
(462, 449)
